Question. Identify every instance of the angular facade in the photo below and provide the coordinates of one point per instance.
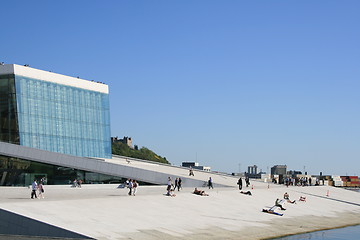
(53, 112)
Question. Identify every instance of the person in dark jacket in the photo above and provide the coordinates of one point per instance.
(210, 183)
(240, 183)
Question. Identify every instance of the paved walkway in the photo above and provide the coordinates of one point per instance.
(106, 212)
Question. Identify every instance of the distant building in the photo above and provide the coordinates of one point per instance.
(125, 140)
(195, 165)
(207, 169)
(278, 170)
(253, 170)
(190, 164)
(293, 173)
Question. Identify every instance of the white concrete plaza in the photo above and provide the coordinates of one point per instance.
(107, 212)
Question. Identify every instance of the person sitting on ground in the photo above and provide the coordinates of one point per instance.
(200, 192)
(171, 193)
(286, 196)
(247, 193)
(278, 204)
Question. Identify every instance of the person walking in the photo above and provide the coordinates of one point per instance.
(179, 184)
(247, 180)
(41, 190)
(74, 183)
(240, 183)
(130, 186)
(33, 189)
(210, 183)
(191, 172)
(79, 182)
(176, 183)
(135, 185)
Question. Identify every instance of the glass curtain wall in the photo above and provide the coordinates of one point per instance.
(63, 119)
(19, 172)
(9, 131)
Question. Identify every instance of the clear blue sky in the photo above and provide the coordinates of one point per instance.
(221, 82)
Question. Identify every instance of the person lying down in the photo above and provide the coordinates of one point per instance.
(200, 192)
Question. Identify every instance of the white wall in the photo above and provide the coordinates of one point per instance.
(53, 77)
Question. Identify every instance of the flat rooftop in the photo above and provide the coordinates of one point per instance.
(48, 76)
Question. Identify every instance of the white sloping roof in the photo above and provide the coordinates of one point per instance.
(53, 77)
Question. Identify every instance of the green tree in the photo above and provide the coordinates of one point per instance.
(122, 149)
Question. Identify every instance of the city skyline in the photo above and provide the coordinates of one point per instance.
(220, 83)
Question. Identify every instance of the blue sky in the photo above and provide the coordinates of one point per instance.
(221, 82)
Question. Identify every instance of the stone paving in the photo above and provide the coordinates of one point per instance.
(107, 212)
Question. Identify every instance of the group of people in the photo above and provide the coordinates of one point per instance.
(132, 185)
(280, 202)
(171, 187)
(240, 182)
(39, 188)
(302, 181)
(178, 185)
(76, 183)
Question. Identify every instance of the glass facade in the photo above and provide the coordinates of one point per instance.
(54, 117)
(19, 172)
(9, 131)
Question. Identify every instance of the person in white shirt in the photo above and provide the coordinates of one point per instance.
(169, 183)
(33, 188)
(130, 186)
